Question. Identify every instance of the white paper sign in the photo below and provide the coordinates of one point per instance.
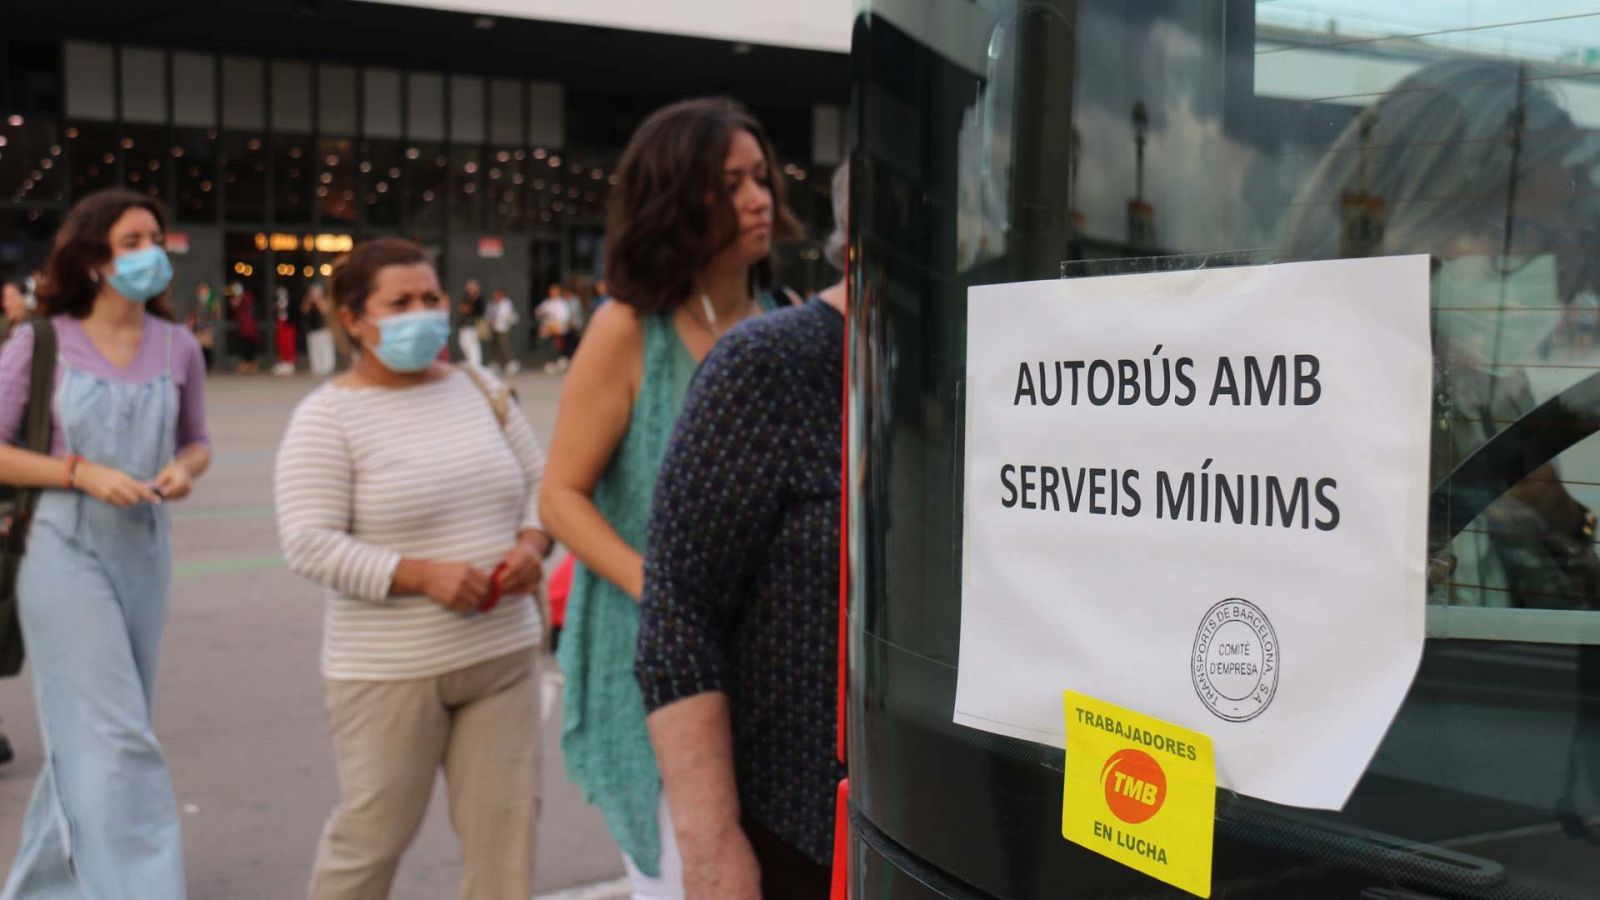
(1203, 496)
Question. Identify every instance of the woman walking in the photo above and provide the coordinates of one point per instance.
(408, 488)
(689, 247)
(129, 437)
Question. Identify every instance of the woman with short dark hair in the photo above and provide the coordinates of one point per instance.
(697, 205)
(129, 437)
(408, 488)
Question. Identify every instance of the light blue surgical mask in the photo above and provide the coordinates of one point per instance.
(142, 275)
(410, 342)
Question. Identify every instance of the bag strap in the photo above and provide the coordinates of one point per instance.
(41, 385)
(499, 401)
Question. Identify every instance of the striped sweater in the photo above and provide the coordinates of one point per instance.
(366, 476)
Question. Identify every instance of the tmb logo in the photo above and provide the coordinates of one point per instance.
(1134, 784)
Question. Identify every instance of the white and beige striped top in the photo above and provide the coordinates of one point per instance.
(366, 476)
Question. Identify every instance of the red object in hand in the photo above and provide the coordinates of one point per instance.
(495, 589)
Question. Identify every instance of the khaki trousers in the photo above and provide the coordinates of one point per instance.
(391, 738)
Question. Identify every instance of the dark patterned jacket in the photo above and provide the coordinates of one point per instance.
(742, 569)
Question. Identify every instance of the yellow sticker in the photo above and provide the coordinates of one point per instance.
(1140, 791)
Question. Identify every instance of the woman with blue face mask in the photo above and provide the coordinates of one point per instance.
(129, 438)
(431, 627)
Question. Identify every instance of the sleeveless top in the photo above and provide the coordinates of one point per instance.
(604, 739)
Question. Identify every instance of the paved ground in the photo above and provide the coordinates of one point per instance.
(240, 707)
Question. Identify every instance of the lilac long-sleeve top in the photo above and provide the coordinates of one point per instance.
(78, 351)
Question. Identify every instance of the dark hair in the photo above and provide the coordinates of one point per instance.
(354, 273)
(82, 245)
(660, 230)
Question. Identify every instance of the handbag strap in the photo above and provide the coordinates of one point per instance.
(499, 401)
(41, 384)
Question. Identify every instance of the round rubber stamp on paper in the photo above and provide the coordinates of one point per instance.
(1235, 660)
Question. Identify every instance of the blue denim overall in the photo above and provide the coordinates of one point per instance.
(92, 596)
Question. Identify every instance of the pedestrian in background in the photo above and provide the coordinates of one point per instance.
(555, 323)
(284, 332)
(129, 438)
(473, 327)
(689, 254)
(315, 312)
(739, 634)
(409, 488)
(247, 333)
(14, 302)
(203, 322)
(503, 318)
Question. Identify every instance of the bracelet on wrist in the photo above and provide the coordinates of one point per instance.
(74, 462)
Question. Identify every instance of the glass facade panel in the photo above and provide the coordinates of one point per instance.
(466, 110)
(244, 93)
(244, 176)
(466, 200)
(382, 169)
(196, 162)
(338, 181)
(506, 183)
(194, 89)
(144, 85)
(428, 183)
(294, 179)
(425, 106)
(32, 164)
(336, 100)
(146, 154)
(291, 97)
(380, 103)
(90, 76)
(93, 157)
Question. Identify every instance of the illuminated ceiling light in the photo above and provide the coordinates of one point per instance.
(503, 156)
(494, 173)
(194, 171)
(2, 141)
(322, 191)
(205, 186)
(470, 188)
(366, 166)
(518, 178)
(573, 193)
(540, 153)
(55, 149)
(72, 133)
(596, 174)
(612, 179)
(326, 270)
(394, 172)
(15, 121)
(127, 143)
(577, 169)
(326, 178)
(470, 168)
(538, 184)
(521, 154)
(109, 158)
(254, 144)
(309, 271)
(331, 160)
(47, 163)
(427, 196)
(383, 187)
(413, 153)
(155, 165)
(177, 153)
(555, 162)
